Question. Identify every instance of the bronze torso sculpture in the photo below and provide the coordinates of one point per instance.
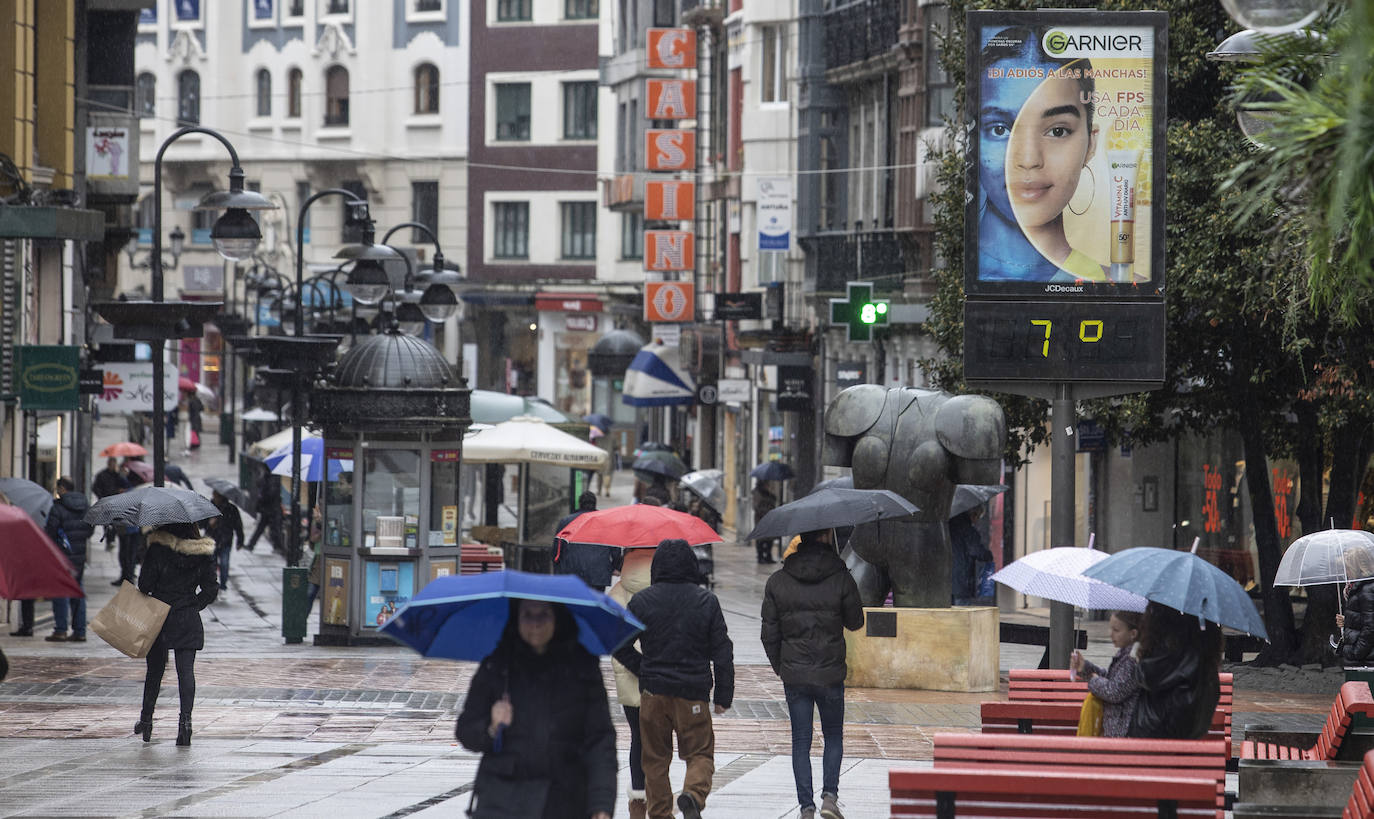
(920, 444)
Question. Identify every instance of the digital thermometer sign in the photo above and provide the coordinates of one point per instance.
(1064, 341)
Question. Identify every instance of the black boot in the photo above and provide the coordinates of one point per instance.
(184, 730)
(144, 726)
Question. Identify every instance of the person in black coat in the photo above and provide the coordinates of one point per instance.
(224, 529)
(109, 481)
(267, 508)
(179, 570)
(1179, 665)
(537, 712)
(1357, 624)
(684, 638)
(807, 606)
(593, 563)
(68, 528)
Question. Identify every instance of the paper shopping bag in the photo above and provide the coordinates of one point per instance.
(131, 621)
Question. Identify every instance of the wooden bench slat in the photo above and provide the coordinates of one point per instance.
(1354, 698)
(1048, 793)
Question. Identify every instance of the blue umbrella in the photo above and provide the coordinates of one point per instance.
(461, 617)
(600, 420)
(312, 461)
(1182, 581)
(772, 471)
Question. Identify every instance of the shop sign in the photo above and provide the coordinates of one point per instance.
(128, 387)
(671, 48)
(49, 377)
(441, 456)
(107, 152)
(203, 278)
(666, 250)
(566, 303)
(580, 323)
(669, 335)
(733, 390)
(670, 149)
(339, 453)
(671, 99)
(669, 200)
(775, 213)
(794, 389)
(737, 306)
(851, 374)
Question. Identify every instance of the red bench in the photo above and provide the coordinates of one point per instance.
(1361, 804)
(1195, 759)
(1050, 794)
(1054, 685)
(1354, 698)
(479, 558)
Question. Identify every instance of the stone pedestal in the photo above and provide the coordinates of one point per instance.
(953, 649)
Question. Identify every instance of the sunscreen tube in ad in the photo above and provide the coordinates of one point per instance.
(1124, 165)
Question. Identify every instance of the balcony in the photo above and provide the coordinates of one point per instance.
(623, 192)
(841, 258)
(860, 31)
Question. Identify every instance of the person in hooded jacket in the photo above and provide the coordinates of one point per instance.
(807, 605)
(684, 637)
(179, 570)
(537, 712)
(635, 577)
(593, 563)
(68, 528)
(1180, 658)
(1357, 624)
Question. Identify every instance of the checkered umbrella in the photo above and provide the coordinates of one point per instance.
(1056, 574)
(152, 506)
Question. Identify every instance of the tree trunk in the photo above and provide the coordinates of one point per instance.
(1349, 456)
(1278, 609)
(1311, 456)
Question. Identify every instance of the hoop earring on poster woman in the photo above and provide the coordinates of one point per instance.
(1092, 191)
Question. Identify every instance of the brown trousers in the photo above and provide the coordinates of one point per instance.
(659, 718)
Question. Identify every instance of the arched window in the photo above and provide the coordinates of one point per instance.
(336, 96)
(264, 93)
(426, 89)
(147, 95)
(293, 93)
(188, 98)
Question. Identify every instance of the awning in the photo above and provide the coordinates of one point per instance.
(654, 379)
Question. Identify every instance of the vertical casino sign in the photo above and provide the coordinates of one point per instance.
(1064, 272)
(671, 155)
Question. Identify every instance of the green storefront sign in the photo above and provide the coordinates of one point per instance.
(49, 377)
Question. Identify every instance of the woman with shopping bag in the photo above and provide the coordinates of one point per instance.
(179, 570)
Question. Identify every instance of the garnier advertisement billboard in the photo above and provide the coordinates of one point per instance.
(1066, 146)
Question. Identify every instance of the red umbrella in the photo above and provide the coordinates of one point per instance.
(185, 384)
(31, 565)
(123, 449)
(640, 526)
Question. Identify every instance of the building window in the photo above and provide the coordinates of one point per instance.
(352, 232)
(513, 112)
(632, 236)
(511, 229)
(774, 69)
(188, 98)
(295, 8)
(302, 194)
(336, 7)
(147, 95)
(264, 93)
(579, 110)
(665, 13)
(336, 96)
(513, 11)
(579, 230)
(939, 88)
(293, 93)
(424, 208)
(426, 89)
(144, 217)
(429, 5)
(580, 9)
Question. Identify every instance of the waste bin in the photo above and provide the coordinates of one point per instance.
(226, 428)
(295, 602)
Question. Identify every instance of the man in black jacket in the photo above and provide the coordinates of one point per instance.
(109, 481)
(588, 561)
(684, 637)
(68, 528)
(806, 608)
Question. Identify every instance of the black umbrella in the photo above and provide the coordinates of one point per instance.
(651, 446)
(846, 482)
(969, 495)
(29, 496)
(600, 420)
(772, 471)
(176, 474)
(830, 508)
(229, 490)
(152, 506)
(648, 469)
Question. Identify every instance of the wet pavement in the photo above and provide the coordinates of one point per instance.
(301, 730)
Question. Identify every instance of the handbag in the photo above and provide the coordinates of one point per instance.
(496, 797)
(1090, 717)
(131, 621)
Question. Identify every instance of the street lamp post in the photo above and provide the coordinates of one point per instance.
(235, 236)
(439, 302)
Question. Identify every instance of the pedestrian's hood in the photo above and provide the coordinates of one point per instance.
(812, 564)
(675, 563)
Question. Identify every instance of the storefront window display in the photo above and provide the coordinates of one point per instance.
(391, 488)
(572, 380)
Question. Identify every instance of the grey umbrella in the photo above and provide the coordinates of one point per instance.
(706, 483)
(667, 467)
(29, 496)
(969, 495)
(229, 490)
(152, 506)
(830, 508)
